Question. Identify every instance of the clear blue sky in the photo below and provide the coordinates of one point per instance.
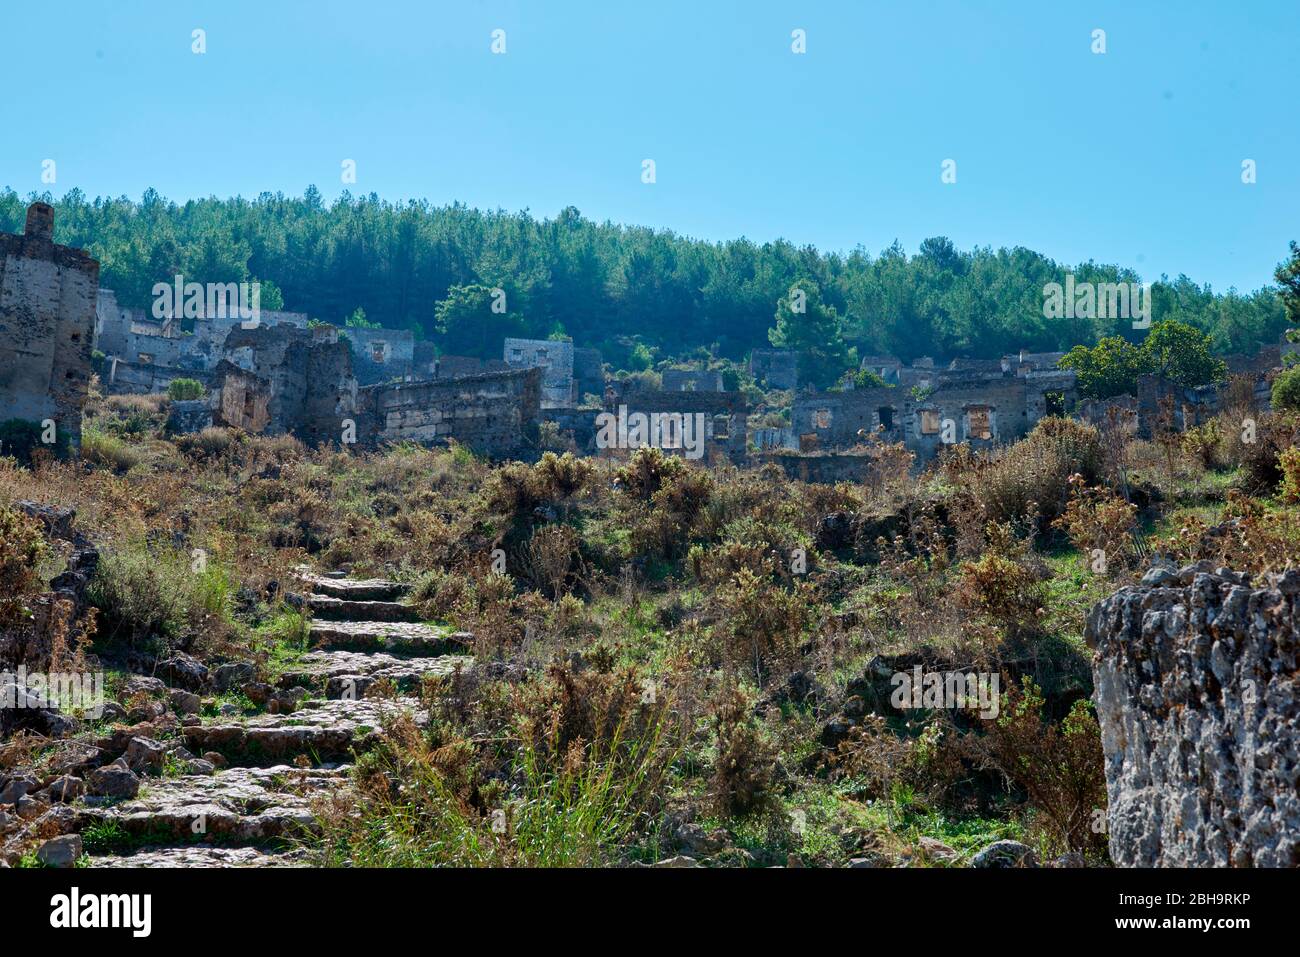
(1131, 157)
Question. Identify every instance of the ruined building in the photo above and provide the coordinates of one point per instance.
(722, 414)
(283, 379)
(47, 320)
(774, 368)
(382, 355)
(554, 358)
(981, 408)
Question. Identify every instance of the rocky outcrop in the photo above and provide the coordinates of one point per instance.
(1198, 698)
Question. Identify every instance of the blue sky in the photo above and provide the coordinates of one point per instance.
(1132, 157)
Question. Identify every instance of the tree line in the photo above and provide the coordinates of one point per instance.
(465, 277)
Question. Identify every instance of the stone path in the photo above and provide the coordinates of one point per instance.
(248, 812)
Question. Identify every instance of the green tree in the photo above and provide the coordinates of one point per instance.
(1173, 350)
(814, 331)
(1286, 391)
(468, 325)
(1109, 368)
(1182, 354)
(1288, 277)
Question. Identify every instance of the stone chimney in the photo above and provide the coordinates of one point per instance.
(40, 222)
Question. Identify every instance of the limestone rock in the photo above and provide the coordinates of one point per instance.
(61, 851)
(1197, 677)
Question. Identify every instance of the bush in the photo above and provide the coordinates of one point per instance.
(153, 599)
(180, 390)
(1286, 391)
(1096, 518)
(108, 451)
(1289, 462)
(744, 767)
(22, 550)
(1059, 767)
(19, 438)
(1033, 476)
(1001, 585)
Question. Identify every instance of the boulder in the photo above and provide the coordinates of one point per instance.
(1197, 676)
(1005, 854)
(61, 851)
(114, 781)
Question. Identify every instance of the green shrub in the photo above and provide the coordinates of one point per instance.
(20, 437)
(109, 451)
(1286, 391)
(156, 598)
(179, 390)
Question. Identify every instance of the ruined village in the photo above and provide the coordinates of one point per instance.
(285, 373)
(345, 598)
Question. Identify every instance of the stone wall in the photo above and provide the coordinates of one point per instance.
(494, 413)
(588, 373)
(691, 380)
(774, 368)
(286, 379)
(823, 467)
(48, 296)
(1197, 676)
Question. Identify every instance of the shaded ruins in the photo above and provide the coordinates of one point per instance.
(47, 322)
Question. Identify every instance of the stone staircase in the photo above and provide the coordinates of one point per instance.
(275, 767)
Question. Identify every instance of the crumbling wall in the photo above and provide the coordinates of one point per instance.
(588, 373)
(48, 296)
(495, 413)
(823, 467)
(286, 379)
(691, 380)
(774, 368)
(1197, 676)
(984, 410)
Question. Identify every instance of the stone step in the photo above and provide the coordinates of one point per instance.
(407, 638)
(340, 609)
(201, 855)
(354, 589)
(237, 806)
(340, 674)
(322, 731)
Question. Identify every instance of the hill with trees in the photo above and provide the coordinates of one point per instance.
(638, 294)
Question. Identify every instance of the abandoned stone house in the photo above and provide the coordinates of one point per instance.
(723, 414)
(554, 358)
(982, 409)
(774, 368)
(284, 379)
(145, 354)
(494, 413)
(47, 322)
(381, 355)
